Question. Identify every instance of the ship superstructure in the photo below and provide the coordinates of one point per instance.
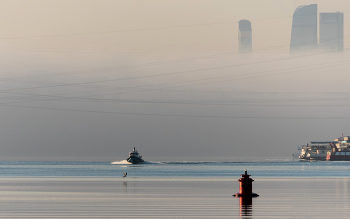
(315, 151)
(339, 149)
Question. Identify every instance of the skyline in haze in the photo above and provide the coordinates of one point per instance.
(87, 80)
(331, 31)
(304, 28)
(245, 36)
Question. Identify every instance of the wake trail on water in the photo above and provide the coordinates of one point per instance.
(173, 162)
(121, 162)
(126, 162)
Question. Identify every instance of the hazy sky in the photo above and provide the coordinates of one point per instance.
(90, 80)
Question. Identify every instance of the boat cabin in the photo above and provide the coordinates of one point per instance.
(134, 153)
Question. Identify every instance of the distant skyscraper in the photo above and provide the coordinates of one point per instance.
(245, 36)
(304, 28)
(332, 31)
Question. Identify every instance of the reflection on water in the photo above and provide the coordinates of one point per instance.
(341, 188)
(184, 198)
(245, 207)
(125, 186)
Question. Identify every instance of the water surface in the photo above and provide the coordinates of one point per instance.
(173, 190)
(174, 169)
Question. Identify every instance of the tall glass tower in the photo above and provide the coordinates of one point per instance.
(245, 36)
(304, 28)
(332, 31)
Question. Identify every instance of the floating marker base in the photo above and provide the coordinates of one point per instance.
(245, 195)
(245, 186)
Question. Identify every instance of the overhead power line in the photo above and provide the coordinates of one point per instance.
(184, 115)
(147, 29)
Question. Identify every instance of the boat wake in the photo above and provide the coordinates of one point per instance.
(121, 162)
(126, 162)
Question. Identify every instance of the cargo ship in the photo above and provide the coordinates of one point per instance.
(337, 150)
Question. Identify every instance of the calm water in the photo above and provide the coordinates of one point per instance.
(174, 169)
(173, 190)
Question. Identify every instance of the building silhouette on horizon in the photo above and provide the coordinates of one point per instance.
(332, 31)
(245, 36)
(304, 28)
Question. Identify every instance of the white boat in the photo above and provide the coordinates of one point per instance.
(315, 151)
(339, 149)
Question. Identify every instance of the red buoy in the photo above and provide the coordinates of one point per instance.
(245, 186)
